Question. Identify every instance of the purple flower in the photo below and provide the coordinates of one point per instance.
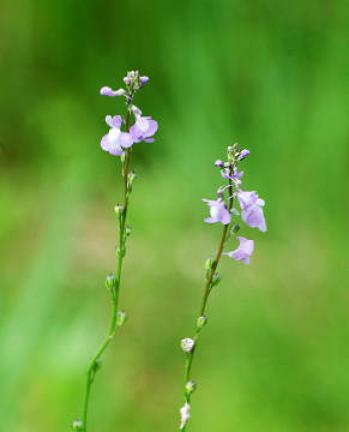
(218, 212)
(236, 176)
(143, 129)
(252, 209)
(143, 80)
(243, 154)
(219, 163)
(115, 141)
(107, 91)
(243, 252)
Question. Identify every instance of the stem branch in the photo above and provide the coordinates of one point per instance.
(207, 291)
(94, 364)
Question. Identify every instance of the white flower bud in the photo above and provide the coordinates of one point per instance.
(77, 425)
(187, 345)
(122, 317)
(190, 386)
(201, 322)
(185, 415)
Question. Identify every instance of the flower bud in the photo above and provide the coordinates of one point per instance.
(243, 154)
(128, 230)
(77, 425)
(120, 251)
(233, 151)
(201, 322)
(208, 264)
(111, 281)
(130, 179)
(143, 80)
(190, 387)
(185, 415)
(119, 209)
(107, 91)
(187, 345)
(215, 280)
(219, 164)
(122, 318)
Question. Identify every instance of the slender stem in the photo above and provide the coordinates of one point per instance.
(121, 251)
(207, 291)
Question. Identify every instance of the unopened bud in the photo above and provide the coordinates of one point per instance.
(233, 151)
(219, 163)
(201, 322)
(190, 387)
(111, 281)
(243, 154)
(77, 425)
(208, 264)
(187, 345)
(123, 158)
(119, 209)
(128, 230)
(122, 318)
(130, 179)
(185, 415)
(143, 80)
(215, 280)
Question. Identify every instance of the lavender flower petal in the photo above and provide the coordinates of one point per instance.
(113, 121)
(111, 146)
(144, 128)
(107, 91)
(219, 163)
(243, 252)
(252, 211)
(126, 140)
(218, 212)
(143, 79)
(243, 154)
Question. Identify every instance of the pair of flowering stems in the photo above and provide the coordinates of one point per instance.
(222, 211)
(119, 141)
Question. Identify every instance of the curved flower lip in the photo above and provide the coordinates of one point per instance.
(144, 129)
(218, 212)
(243, 251)
(115, 141)
(112, 148)
(114, 121)
(107, 91)
(252, 209)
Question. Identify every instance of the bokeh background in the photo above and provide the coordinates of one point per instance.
(273, 76)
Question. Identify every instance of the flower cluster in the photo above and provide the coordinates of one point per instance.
(116, 141)
(251, 206)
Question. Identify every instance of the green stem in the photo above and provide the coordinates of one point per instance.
(94, 363)
(206, 295)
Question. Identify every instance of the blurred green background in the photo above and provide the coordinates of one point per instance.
(273, 76)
